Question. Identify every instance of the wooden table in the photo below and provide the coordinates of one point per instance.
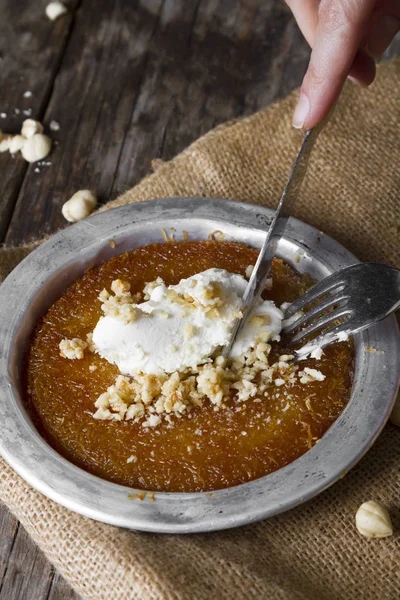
(127, 81)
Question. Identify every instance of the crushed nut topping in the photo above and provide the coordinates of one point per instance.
(309, 375)
(72, 349)
(152, 398)
(119, 306)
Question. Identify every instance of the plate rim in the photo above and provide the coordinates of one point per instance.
(172, 512)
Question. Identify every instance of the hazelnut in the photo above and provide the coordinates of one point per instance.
(5, 142)
(36, 148)
(17, 143)
(79, 206)
(30, 127)
(55, 10)
(395, 414)
(373, 520)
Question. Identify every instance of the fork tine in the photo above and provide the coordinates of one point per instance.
(334, 315)
(323, 340)
(315, 311)
(329, 284)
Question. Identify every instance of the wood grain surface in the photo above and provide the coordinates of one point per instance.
(128, 81)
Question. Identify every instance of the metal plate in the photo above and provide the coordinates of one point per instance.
(42, 277)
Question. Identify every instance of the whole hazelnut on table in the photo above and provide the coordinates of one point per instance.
(5, 142)
(17, 143)
(36, 147)
(373, 520)
(79, 206)
(55, 10)
(30, 127)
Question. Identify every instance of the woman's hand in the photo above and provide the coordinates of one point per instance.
(346, 36)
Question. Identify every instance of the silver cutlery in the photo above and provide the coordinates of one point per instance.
(342, 304)
(263, 265)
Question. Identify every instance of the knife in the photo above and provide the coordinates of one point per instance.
(263, 265)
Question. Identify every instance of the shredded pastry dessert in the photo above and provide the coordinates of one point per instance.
(124, 376)
(151, 397)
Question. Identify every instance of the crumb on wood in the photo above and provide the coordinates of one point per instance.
(156, 163)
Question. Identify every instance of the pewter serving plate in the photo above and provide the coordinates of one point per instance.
(42, 277)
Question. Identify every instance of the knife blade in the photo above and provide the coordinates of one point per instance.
(276, 230)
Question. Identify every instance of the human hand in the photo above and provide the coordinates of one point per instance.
(345, 36)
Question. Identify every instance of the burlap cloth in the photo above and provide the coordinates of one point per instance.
(352, 193)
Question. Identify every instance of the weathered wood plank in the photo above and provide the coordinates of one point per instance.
(30, 50)
(187, 66)
(8, 530)
(92, 100)
(29, 574)
(60, 590)
(228, 63)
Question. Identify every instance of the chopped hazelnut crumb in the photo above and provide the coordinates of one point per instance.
(279, 382)
(309, 375)
(89, 340)
(152, 421)
(260, 320)
(72, 349)
(120, 287)
(153, 398)
(249, 271)
(120, 306)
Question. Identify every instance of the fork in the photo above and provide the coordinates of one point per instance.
(342, 304)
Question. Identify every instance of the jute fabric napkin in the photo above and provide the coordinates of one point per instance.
(352, 193)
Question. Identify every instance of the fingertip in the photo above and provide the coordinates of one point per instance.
(310, 112)
(301, 112)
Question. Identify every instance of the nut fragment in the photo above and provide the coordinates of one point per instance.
(17, 143)
(55, 10)
(79, 206)
(72, 349)
(5, 142)
(36, 148)
(373, 520)
(395, 414)
(249, 271)
(30, 127)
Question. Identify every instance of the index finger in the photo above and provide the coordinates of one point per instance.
(341, 26)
